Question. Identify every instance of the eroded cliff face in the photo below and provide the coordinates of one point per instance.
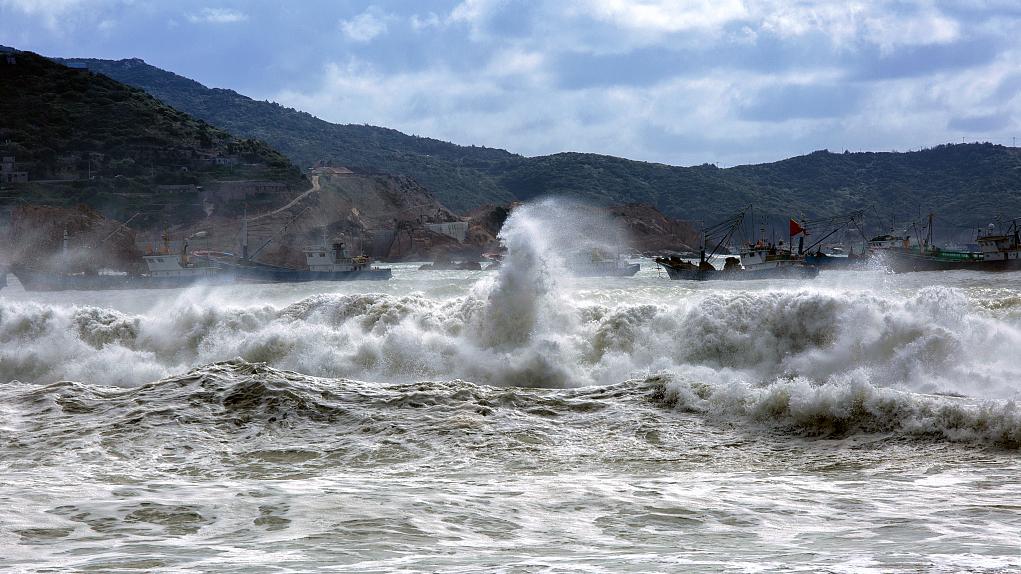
(376, 214)
(36, 234)
(650, 231)
(385, 216)
(642, 228)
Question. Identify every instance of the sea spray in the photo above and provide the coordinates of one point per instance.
(846, 406)
(528, 319)
(542, 238)
(904, 341)
(532, 325)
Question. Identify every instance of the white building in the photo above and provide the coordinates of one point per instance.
(9, 173)
(456, 229)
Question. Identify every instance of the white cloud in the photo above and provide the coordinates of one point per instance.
(665, 15)
(55, 7)
(922, 28)
(512, 101)
(472, 11)
(49, 11)
(430, 20)
(364, 27)
(846, 24)
(662, 80)
(218, 16)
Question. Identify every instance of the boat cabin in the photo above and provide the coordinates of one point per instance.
(889, 242)
(1000, 246)
(762, 256)
(163, 262)
(174, 265)
(334, 258)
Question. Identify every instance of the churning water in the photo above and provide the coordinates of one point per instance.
(519, 420)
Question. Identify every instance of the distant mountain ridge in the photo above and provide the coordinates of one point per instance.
(455, 173)
(965, 185)
(111, 164)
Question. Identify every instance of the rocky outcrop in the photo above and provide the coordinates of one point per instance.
(484, 223)
(376, 214)
(94, 242)
(644, 228)
(651, 232)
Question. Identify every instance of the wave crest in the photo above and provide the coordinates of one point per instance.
(845, 408)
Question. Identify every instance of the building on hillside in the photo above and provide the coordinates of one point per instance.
(455, 229)
(9, 171)
(330, 170)
(9, 55)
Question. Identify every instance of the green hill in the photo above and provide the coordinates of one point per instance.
(964, 184)
(458, 174)
(86, 138)
(54, 117)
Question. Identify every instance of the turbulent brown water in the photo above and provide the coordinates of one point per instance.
(516, 421)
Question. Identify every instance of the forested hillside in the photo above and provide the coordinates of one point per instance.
(964, 185)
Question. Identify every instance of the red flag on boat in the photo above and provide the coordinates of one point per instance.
(795, 228)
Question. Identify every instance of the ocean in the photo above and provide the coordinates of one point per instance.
(518, 420)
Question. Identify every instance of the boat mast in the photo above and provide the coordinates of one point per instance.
(281, 230)
(701, 234)
(928, 239)
(244, 233)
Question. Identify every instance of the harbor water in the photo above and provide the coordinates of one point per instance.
(518, 420)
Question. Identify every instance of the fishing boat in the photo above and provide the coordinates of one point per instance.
(759, 260)
(871, 251)
(599, 264)
(324, 264)
(445, 263)
(998, 251)
(164, 270)
(824, 228)
(827, 261)
(1002, 249)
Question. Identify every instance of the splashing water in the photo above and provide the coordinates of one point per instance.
(533, 325)
(858, 421)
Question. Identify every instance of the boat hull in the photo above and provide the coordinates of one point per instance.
(255, 272)
(34, 280)
(627, 270)
(831, 262)
(908, 261)
(283, 275)
(781, 272)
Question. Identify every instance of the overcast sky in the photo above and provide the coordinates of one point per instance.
(680, 82)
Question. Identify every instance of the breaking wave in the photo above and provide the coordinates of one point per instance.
(847, 407)
(932, 341)
(258, 415)
(527, 327)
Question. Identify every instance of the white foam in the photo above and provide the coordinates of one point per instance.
(847, 405)
(527, 326)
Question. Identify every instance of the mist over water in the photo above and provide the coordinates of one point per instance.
(442, 415)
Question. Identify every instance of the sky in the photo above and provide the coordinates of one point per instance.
(682, 82)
